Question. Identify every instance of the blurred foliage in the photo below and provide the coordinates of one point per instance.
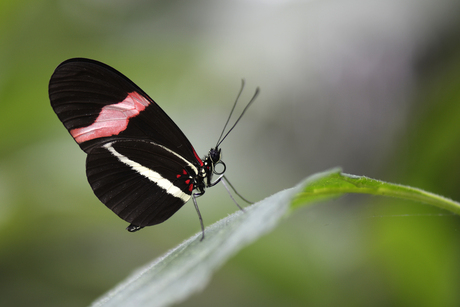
(421, 255)
(60, 247)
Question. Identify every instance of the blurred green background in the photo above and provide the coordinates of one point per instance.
(373, 87)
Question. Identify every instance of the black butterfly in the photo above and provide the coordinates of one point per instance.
(139, 163)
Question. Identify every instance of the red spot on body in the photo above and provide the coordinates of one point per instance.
(113, 119)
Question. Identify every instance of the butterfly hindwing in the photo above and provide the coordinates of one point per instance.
(143, 183)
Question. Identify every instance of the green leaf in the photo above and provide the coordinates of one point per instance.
(187, 268)
(334, 183)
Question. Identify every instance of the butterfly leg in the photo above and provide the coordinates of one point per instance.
(211, 184)
(226, 181)
(222, 178)
(195, 195)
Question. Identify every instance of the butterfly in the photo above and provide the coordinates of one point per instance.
(139, 163)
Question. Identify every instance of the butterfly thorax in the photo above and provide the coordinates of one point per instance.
(208, 169)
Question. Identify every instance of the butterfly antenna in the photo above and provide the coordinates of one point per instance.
(233, 108)
(221, 139)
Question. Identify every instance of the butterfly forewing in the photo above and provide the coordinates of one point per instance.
(96, 103)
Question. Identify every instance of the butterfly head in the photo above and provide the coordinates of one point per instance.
(215, 155)
(213, 158)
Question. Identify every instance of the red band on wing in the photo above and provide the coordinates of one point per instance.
(113, 119)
